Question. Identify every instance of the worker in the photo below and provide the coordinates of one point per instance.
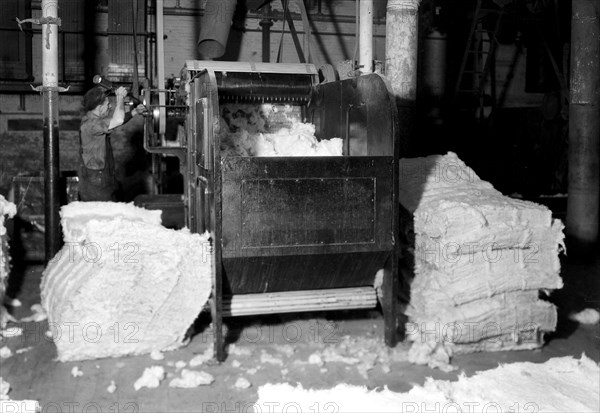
(97, 180)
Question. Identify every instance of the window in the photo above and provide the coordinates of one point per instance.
(72, 39)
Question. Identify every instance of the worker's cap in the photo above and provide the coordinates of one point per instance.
(93, 97)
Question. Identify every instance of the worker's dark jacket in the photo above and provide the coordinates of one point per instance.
(97, 180)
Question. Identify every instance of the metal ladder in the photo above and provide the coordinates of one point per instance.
(478, 60)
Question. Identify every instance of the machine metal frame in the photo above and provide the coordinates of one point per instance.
(293, 233)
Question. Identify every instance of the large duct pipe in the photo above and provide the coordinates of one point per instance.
(433, 72)
(584, 130)
(365, 23)
(401, 46)
(215, 24)
(51, 158)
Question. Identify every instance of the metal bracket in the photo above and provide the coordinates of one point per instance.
(43, 89)
(42, 21)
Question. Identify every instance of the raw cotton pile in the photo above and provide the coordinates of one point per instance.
(480, 260)
(123, 284)
(271, 130)
(561, 385)
(9, 210)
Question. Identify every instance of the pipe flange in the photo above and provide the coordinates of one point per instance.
(43, 89)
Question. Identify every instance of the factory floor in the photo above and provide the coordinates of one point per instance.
(272, 349)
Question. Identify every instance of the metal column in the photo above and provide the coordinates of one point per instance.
(266, 23)
(50, 23)
(401, 46)
(584, 130)
(365, 55)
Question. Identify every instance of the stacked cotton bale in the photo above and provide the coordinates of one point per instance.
(123, 284)
(7, 209)
(480, 261)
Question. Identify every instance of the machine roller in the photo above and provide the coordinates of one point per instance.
(290, 234)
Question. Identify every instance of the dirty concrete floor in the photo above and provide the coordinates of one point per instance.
(272, 349)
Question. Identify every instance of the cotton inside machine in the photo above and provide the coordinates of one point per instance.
(296, 180)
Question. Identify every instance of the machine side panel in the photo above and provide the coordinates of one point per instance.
(327, 205)
(301, 272)
(360, 110)
(307, 211)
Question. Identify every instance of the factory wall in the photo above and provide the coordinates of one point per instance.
(333, 41)
(21, 139)
(21, 136)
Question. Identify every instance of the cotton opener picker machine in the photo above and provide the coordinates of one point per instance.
(290, 234)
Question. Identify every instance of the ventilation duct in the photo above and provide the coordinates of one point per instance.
(214, 28)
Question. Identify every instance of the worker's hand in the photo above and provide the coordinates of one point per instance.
(138, 110)
(121, 92)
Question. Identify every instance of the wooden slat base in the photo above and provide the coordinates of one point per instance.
(299, 301)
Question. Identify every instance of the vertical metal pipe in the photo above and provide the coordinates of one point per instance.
(434, 62)
(51, 158)
(365, 36)
(584, 130)
(160, 64)
(433, 73)
(266, 23)
(401, 46)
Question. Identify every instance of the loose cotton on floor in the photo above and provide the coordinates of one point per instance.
(563, 384)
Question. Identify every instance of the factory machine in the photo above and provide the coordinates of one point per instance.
(289, 234)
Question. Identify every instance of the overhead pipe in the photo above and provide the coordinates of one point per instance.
(365, 36)
(50, 23)
(215, 24)
(584, 131)
(401, 47)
